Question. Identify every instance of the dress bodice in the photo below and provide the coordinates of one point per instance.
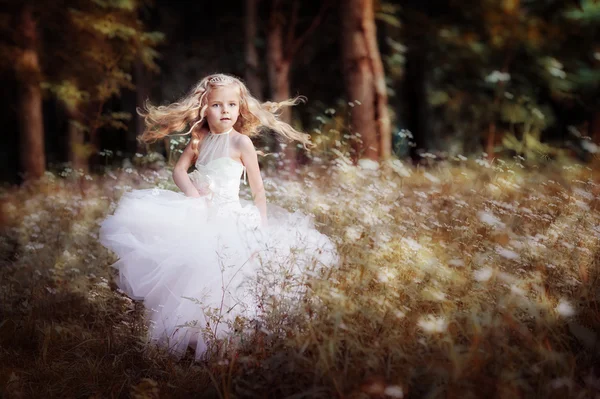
(217, 175)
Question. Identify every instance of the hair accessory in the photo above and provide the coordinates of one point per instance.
(221, 79)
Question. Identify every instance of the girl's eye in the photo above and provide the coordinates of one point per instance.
(233, 104)
(215, 105)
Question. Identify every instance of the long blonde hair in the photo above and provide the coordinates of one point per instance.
(190, 110)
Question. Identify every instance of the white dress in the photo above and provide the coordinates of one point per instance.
(195, 261)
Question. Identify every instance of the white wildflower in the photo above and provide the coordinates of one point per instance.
(368, 164)
(507, 253)
(385, 275)
(399, 168)
(490, 219)
(564, 308)
(394, 391)
(537, 113)
(456, 262)
(432, 324)
(353, 233)
(517, 290)
(412, 244)
(324, 207)
(582, 205)
(431, 178)
(483, 274)
(384, 237)
(33, 246)
(434, 295)
(587, 195)
(497, 76)
(559, 73)
(399, 314)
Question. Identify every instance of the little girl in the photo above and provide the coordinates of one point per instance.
(194, 257)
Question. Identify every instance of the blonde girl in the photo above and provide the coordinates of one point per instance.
(202, 244)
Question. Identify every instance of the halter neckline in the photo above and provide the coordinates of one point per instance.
(218, 134)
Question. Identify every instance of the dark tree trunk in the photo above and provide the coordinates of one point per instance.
(594, 127)
(78, 151)
(252, 77)
(415, 98)
(278, 69)
(29, 102)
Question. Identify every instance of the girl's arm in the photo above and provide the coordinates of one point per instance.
(180, 175)
(250, 160)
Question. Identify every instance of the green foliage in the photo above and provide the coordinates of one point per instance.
(388, 13)
(496, 62)
(67, 92)
(87, 51)
(589, 12)
(530, 146)
(129, 5)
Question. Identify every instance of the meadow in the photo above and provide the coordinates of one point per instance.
(463, 279)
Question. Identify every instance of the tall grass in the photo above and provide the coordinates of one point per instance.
(464, 279)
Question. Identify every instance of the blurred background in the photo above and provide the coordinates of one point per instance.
(383, 79)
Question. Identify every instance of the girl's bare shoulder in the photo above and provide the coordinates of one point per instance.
(240, 140)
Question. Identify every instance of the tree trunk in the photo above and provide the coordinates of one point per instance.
(382, 117)
(29, 106)
(252, 78)
(415, 98)
(278, 68)
(363, 75)
(77, 148)
(594, 127)
(490, 141)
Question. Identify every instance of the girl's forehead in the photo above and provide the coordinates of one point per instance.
(224, 93)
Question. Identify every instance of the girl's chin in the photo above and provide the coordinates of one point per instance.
(221, 126)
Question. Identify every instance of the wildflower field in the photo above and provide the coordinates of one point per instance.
(464, 279)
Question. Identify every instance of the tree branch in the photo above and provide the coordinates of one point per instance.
(295, 46)
(274, 13)
(292, 30)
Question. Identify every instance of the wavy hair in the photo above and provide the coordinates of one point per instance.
(189, 112)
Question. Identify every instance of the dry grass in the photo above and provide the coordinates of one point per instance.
(462, 280)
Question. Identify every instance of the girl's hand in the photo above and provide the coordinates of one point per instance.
(202, 191)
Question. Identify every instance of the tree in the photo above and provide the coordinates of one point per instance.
(86, 52)
(28, 72)
(282, 45)
(503, 69)
(95, 49)
(252, 66)
(365, 79)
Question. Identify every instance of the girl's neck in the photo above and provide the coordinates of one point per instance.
(226, 132)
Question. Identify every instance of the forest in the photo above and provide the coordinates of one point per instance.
(455, 167)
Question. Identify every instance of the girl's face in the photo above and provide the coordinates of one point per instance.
(223, 108)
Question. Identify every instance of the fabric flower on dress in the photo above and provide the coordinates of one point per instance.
(205, 184)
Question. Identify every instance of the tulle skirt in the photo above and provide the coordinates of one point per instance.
(198, 266)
